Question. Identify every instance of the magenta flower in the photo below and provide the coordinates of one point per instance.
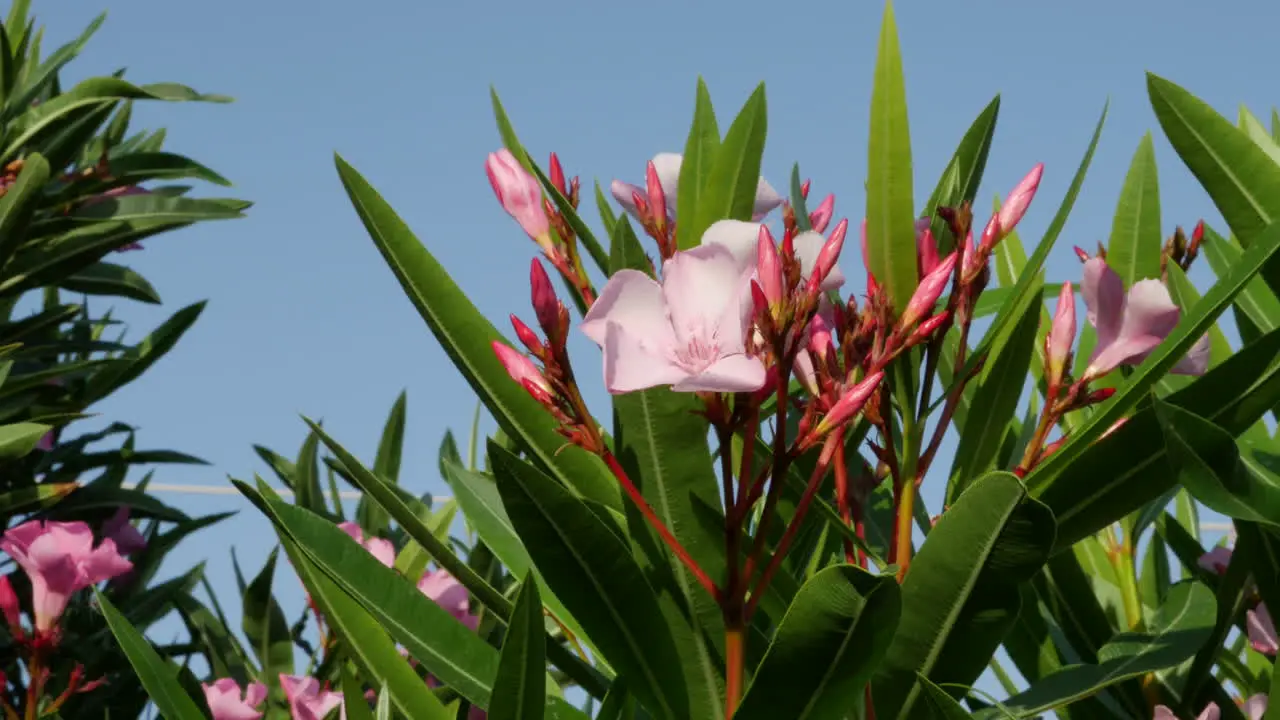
(667, 169)
(1130, 326)
(519, 194)
(1210, 712)
(742, 240)
(60, 559)
(688, 331)
(449, 594)
(1262, 632)
(226, 702)
(307, 701)
(119, 530)
(381, 549)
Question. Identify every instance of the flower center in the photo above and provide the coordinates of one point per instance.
(698, 353)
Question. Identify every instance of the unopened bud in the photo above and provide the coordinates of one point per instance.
(519, 194)
(557, 175)
(1114, 427)
(928, 291)
(768, 267)
(821, 217)
(991, 235)
(1081, 254)
(657, 198)
(926, 252)
(1015, 206)
(545, 303)
(1061, 336)
(827, 257)
(1098, 396)
(928, 328)
(804, 190)
(9, 605)
(527, 336)
(520, 368)
(849, 405)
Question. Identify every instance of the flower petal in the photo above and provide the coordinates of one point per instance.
(1124, 351)
(732, 373)
(1255, 707)
(767, 200)
(740, 238)
(1149, 311)
(622, 192)
(1104, 298)
(630, 365)
(634, 300)
(698, 286)
(667, 166)
(1196, 361)
(808, 245)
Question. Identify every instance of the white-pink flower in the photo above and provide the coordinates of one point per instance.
(742, 239)
(1129, 326)
(381, 549)
(1255, 707)
(449, 594)
(667, 167)
(1210, 712)
(226, 702)
(687, 332)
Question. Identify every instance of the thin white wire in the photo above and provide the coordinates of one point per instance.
(354, 495)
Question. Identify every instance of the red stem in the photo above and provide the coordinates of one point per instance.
(842, 501)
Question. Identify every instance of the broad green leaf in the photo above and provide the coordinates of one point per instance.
(106, 278)
(596, 577)
(826, 648)
(157, 675)
(265, 627)
(941, 706)
(729, 191)
(19, 439)
(891, 238)
(1253, 128)
(1209, 466)
(960, 595)
(520, 687)
(467, 336)
(1190, 328)
(1182, 624)
(1186, 296)
(963, 175)
(19, 204)
(41, 77)
(696, 168)
(1256, 300)
(1134, 248)
(353, 699)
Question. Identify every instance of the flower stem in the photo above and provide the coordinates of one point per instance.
(904, 509)
(734, 659)
(1126, 574)
(842, 501)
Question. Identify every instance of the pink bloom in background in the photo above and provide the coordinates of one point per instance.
(226, 702)
(1130, 326)
(449, 594)
(1262, 632)
(1210, 712)
(377, 547)
(60, 559)
(688, 331)
(1216, 560)
(46, 442)
(1255, 707)
(519, 193)
(667, 167)
(307, 701)
(119, 530)
(742, 240)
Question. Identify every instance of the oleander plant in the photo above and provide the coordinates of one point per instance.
(742, 533)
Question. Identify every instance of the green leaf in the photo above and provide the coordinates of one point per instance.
(828, 644)
(1256, 300)
(520, 686)
(594, 573)
(158, 676)
(33, 496)
(19, 204)
(141, 357)
(1181, 625)
(353, 699)
(729, 192)
(155, 207)
(941, 706)
(960, 596)
(891, 238)
(19, 439)
(467, 336)
(1134, 249)
(140, 167)
(1210, 467)
(963, 175)
(696, 168)
(386, 464)
(1190, 328)
(265, 627)
(797, 200)
(109, 279)
(1186, 296)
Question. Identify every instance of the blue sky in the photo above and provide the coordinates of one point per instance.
(305, 318)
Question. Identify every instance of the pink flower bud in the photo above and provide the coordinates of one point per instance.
(1081, 254)
(821, 217)
(1015, 206)
(1061, 335)
(519, 367)
(849, 404)
(657, 198)
(759, 302)
(557, 175)
(926, 252)
(9, 605)
(1197, 235)
(804, 190)
(928, 328)
(928, 291)
(768, 267)
(827, 257)
(520, 195)
(819, 337)
(545, 303)
(991, 234)
(872, 285)
(526, 336)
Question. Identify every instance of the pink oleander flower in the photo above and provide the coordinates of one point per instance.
(520, 195)
(1262, 632)
(667, 167)
(1210, 712)
(60, 560)
(742, 240)
(449, 594)
(1062, 334)
(1130, 326)
(1216, 560)
(126, 537)
(688, 332)
(226, 702)
(1255, 707)
(381, 549)
(307, 701)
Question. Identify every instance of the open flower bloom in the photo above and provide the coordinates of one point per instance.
(1216, 560)
(1262, 632)
(60, 559)
(1130, 326)
(381, 549)
(1210, 712)
(449, 594)
(667, 166)
(742, 240)
(226, 702)
(307, 701)
(1255, 707)
(126, 537)
(688, 331)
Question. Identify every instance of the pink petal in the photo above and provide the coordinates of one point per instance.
(808, 245)
(1196, 361)
(635, 301)
(1163, 713)
(382, 549)
(1104, 298)
(1210, 712)
(667, 166)
(699, 286)
(104, 563)
(767, 200)
(1255, 707)
(740, 238)
(1149, 311)
(1262, 632)
(630, 364)
(1216, 560)
(622, 193)
(1122, 351)
(805, 373)
(732, 373)
(255, 694)
(353, 530)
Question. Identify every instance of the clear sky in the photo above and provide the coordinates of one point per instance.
(305, 318)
